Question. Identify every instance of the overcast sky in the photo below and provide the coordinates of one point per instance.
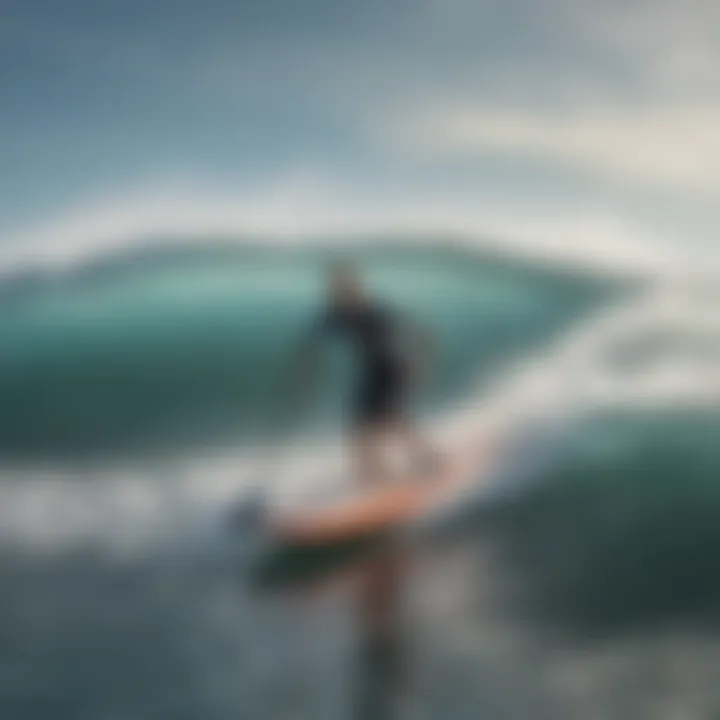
(587, 123)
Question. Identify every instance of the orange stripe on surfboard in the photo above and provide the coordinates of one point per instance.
(380, 508)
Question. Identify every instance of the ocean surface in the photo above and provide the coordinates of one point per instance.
(141, 392)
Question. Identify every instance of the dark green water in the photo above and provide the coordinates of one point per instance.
(189, 348)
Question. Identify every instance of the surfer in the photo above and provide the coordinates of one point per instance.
(392, 355)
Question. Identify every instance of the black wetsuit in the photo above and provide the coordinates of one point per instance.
(375, 332)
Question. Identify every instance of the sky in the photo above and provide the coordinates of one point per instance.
(585, 126)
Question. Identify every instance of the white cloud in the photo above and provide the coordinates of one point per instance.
(628, 92)
(672, 47)
(675, 147)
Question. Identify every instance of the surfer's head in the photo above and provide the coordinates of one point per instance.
(345, 285)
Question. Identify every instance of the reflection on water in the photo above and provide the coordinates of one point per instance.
(375, 574)
(382, 665)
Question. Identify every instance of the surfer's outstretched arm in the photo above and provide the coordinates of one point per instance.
(305, 359)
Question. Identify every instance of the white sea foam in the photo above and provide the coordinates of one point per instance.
(305, 207)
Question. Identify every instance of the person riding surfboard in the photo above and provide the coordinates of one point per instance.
(393, 355)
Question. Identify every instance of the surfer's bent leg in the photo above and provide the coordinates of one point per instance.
(399, 426)
(381, 419)
(424, 457)
(367, 451)
(376, 407)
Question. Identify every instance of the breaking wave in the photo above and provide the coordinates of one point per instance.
(141, 388)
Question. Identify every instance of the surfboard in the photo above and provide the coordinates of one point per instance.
(377, 507)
